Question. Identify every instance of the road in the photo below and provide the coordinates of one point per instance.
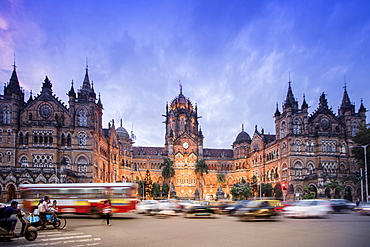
(130, 230)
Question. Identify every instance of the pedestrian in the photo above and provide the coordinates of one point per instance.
(357, 202)
(12, 209)
(107, 210)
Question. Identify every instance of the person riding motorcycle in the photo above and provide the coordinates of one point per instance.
(12, 209)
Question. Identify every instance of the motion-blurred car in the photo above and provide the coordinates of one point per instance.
(363, 208)
(202, 211)
(283, 204)
(342, 205)
(232, 208)
(261, 209)
(166, 207)
(186, 204)
(309, 208)
(144, 207)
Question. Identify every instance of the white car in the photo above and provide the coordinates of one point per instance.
(145, 207)
(308, 208)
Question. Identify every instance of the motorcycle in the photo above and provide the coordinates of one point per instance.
(27, 231)
(51, 219)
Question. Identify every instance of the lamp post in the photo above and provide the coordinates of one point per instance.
(366, 181)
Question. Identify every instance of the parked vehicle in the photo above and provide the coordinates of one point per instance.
(342, 205)
(309, 208)
(144, 207)
(259, 209)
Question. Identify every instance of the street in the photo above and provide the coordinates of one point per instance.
(141, 230)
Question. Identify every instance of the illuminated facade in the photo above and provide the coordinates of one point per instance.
(42, 140)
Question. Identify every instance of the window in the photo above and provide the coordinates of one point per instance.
(310, 168)
(355, 126)
(9, 156)
(82, 164)
(43, 160)
(297, 126)
(1, 158)
(297, 145)
(282, 130)
(24, 162)
(82, 117)
(81, 139)
(1, 136)
(5, 114)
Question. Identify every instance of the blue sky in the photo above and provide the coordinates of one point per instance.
(233, 58)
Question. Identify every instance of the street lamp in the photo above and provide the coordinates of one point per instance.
(367, 184)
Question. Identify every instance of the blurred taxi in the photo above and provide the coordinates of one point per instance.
(309, 208)
(363, 208)
(284, 204)
(258, 209)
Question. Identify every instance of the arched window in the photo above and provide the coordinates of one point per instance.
(69, 140)
(21, 140)
(310, 168)
(355, 126)
(82, 117)
(82, 164)
(5, 114)
(24, 161)
(8, 155)
(282, 130)
(82, 139)
(297, 129)
(63, 139)
(298, 169)
(297, 145)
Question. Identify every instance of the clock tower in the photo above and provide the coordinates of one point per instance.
(182, 128)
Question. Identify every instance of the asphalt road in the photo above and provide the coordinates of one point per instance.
(130, 230)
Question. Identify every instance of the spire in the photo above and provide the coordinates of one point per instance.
(277, 112)
(86, 82)
(13, 85)
(304, 104)
(30, 98)
(180, 87)
(242, 127)
(323, 102)
(290, 100)
(362, 107)
(46, 86)
(346, 103)
(99, 102)
(71, 92)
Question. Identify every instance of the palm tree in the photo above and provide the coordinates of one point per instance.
(168, 171)
(201, 168)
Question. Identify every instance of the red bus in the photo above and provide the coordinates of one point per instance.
(82, 198)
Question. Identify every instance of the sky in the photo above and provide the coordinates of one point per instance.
(233, 58)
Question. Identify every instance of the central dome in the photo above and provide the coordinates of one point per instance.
(242, 138)
(122, 133)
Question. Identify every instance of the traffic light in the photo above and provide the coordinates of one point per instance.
(358, 175)
(283, 185)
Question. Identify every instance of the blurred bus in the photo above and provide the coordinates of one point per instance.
(82, 198)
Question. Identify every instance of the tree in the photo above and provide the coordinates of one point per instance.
(362, 138)
(165, 189)
(168, 171)
(221, 178)
(148, 184)
(307, 193)
(266, 190)
(201, 168)
(336, 186)
(156, 190)
(241, 191)
(278, 192)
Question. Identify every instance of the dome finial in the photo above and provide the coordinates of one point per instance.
(180, 87)
(242, 127)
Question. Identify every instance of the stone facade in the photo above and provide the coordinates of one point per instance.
(42, 140)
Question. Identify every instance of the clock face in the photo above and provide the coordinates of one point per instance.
(185, 145)
(45, 111)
